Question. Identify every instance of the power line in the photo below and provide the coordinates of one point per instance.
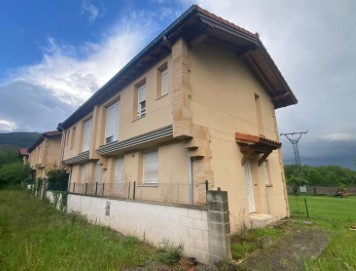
(295, 142)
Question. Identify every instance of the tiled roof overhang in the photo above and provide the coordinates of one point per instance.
(250, 145)
(195, 25)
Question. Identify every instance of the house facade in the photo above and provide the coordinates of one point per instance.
(194, 110)
(45, 153)
(23, 155)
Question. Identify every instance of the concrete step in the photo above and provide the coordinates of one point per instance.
(259, 220)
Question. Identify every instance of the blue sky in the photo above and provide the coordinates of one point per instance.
(55, 54)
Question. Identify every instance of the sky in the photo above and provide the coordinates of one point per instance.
(55, 54)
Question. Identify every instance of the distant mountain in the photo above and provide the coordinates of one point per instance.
(19, 139)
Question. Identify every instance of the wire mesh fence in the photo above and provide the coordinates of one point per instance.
(172, 193)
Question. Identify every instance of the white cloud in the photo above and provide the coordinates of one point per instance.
(338, 137)
(72, 79)
(7, 126)
(90, 10)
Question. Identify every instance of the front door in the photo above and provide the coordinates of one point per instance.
(249, 188)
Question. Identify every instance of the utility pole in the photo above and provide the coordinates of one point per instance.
(294, 139)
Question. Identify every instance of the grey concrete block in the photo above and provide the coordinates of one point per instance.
(219, 196)
(219, 228)
(217, 206)
(219, 240)
(216, 216)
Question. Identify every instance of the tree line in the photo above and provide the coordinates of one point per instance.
(320, 175)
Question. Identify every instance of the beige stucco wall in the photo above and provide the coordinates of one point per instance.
(158, 113)
(223, 100)
(46, 156)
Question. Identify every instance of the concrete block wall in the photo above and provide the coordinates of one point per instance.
(150, 222)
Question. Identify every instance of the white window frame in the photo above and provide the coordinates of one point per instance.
(164, 81)
(87, 129)
(150, 167)
(141, 101)
(111, 136)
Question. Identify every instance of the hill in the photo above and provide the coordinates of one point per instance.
(11, 142)
(19, 139)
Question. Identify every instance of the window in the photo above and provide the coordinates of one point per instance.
(141, 101)
(266, 172)
(112, 123)
(259, 115)
(98, 173)
(119, 170)
(67, 138)
(163, 80)
(84, 173)
(73, 137)
(87, 134)
(150, 167)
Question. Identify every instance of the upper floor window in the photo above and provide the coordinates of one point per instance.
(87, 134)
(112, 123)
(150, 167)
(141, 100)
(162, 80)
(67, 138)
(73, 137)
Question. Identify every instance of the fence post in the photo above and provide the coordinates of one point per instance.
(102, 192)
(306, 207)
(96, 188)
(86, 188)
(134, 191)
(74, 188)
(206, 186)
(128, 193)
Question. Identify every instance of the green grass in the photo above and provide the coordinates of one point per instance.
(335, 215)
(246, 241)
(35, 236)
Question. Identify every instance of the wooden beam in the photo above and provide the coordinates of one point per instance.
(263, 158)
(247, 156)
(198, 40)
(279, 97)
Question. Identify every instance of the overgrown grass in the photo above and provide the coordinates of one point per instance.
(34, 236)
(246, 241)
(336, 215)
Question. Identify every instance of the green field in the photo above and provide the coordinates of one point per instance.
(335, 215)
(35, 236)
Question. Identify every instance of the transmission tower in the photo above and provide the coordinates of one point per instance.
(294, 139)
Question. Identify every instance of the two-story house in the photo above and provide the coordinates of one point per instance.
(45, 153)
(198, 103)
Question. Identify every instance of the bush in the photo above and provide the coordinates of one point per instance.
(57, 179)
(13, 173)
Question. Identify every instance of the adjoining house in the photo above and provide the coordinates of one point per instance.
(23, 155)
(45, 153)
(195, 108)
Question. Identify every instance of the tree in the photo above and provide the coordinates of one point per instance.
(296, 182)
(57, 179)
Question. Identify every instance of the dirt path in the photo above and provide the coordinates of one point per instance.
(289, 252)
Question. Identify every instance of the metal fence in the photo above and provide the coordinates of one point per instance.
(173, 193)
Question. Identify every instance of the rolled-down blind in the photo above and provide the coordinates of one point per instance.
(150, 167)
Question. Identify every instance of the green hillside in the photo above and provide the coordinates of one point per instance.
(11, 142)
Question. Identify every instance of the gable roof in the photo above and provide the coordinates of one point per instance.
(23, 152)
(193, 25)
(49, 134)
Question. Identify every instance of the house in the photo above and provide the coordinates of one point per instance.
(44, 154)
(23, 155)
(195, 109)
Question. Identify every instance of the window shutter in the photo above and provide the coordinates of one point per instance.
(87, 134)
(150, 167)
(141, 93)
(112, 123)
(119, 170)
(164, 82)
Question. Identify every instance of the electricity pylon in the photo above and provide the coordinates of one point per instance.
(295, 141)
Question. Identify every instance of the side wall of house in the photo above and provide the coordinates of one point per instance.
(223, 100)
